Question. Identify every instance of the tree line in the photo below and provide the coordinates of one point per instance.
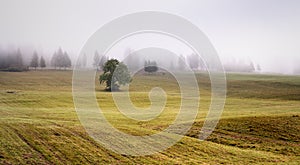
(13, 61)
(60, 59)
(191, 61)
(35, 62)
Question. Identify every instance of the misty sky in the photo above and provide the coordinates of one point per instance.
(265, 31)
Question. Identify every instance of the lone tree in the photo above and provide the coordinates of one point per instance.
(42, 62)
(150, 66)
(115, 74)
(34, 61)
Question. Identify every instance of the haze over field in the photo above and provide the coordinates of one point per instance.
(264, 32)
(142, 82)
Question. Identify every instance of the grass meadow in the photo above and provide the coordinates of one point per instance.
(259, 125)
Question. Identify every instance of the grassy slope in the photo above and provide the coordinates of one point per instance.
(260, 122)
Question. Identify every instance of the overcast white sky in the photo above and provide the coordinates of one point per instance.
(265, 31)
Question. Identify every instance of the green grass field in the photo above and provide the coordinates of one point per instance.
(260, 123)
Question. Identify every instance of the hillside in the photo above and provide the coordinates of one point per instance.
(39, 125)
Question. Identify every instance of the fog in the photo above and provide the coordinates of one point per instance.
(244, 32)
